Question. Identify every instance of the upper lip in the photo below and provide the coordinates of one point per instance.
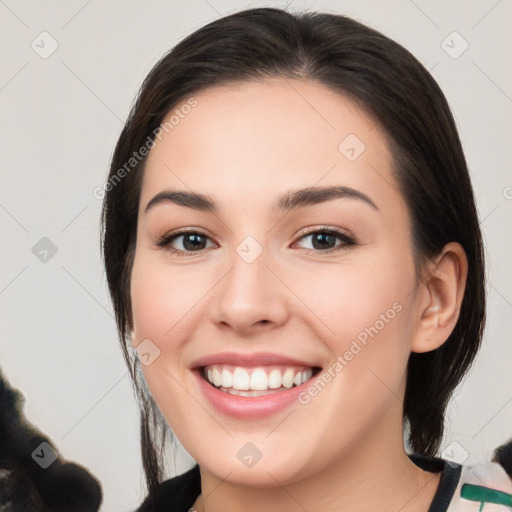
(254, 359)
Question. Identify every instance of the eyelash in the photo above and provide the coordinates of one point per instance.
(166, 240)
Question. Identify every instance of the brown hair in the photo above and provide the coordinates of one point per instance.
(399, 93)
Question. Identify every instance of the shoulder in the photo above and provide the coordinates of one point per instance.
(484, 487)
(177, 494)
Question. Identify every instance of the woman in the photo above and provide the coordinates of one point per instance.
(292, 247)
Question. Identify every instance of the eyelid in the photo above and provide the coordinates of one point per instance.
(314, 229)
(166, 238)
(347, 239)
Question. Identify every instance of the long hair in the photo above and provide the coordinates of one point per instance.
(391, 85)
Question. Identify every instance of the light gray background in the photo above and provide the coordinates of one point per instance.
(61, 117)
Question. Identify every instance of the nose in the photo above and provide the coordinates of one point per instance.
(250, 296)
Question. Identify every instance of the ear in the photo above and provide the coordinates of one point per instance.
(440, 298)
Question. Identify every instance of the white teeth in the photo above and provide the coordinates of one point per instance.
(306, 375)
(274, 379)
(227, 379)
(217, 379)
(243, 382)
(237, 392)
(288, 378)
(240, 379)
(259, 380)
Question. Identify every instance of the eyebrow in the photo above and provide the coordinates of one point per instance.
(291, 200)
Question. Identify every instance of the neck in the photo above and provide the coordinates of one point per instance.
(375, 475)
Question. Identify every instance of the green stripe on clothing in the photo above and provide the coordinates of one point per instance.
(485, 495)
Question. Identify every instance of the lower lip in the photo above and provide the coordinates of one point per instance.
(245, 407)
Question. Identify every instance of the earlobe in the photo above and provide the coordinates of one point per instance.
(440, 298)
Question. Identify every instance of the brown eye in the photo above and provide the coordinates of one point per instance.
(324, 240)
(192, 241)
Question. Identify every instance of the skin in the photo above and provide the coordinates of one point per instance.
(245, 145)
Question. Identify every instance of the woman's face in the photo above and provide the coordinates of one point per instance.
(252, 293)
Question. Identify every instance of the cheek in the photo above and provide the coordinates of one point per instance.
(365, 309)
(160, 303)
(352, 296)
(161, 299)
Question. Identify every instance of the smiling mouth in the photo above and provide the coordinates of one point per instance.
(256, 381)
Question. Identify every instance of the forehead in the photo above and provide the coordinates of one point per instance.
(249, 141)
